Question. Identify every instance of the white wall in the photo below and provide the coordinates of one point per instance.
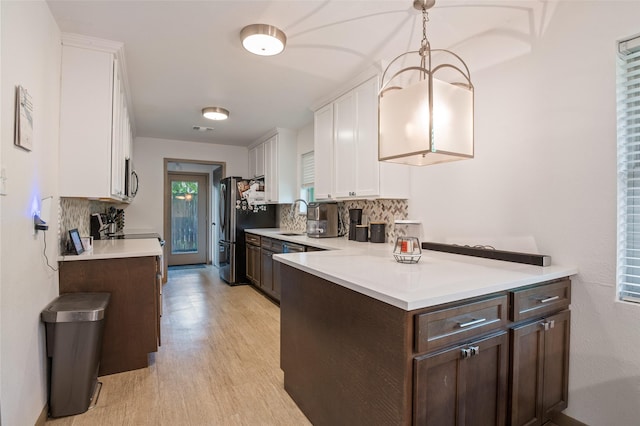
(545, 166)
(30, 57)
(146, 210)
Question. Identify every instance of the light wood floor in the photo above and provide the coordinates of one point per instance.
(219, 363)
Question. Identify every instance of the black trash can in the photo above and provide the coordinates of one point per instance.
(74, 324)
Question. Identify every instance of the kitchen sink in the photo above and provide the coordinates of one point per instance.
(291, 234)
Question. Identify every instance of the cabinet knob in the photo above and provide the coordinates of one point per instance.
(465, 353)
(474, 350)
(548, 325)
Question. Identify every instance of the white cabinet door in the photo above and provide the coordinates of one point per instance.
(119, 122)
(256, 161)
(252, 163)
(323, 153)
(345, 154)
(271, 169)
(357, 170)
(367, 167)
(86, 108)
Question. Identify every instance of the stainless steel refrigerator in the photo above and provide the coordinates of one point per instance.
(236, 215)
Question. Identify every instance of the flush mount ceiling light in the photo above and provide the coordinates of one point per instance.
(424, 120)
(215, 113)
(263, 39)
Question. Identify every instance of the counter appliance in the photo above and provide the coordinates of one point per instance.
(322, 220)
(355, 219)
(236, 215)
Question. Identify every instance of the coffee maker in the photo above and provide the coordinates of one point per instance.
(355, 219)
(322, 220)
(97, 226)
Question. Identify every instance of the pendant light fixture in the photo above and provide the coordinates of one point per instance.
(263, 39)
(423, 119)
(215, 113)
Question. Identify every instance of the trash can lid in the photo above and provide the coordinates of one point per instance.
(76, 307)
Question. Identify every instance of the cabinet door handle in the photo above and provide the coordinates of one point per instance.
(465, 353)
(549, 299)
(474, 350)
(472, 322)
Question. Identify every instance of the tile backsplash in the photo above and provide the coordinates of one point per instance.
(76, 213)
(372, 211)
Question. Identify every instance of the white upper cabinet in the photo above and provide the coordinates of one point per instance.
(346, 149)
(278, 150)
(323, 152)
(95, 127)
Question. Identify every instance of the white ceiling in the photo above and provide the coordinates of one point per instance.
(182, 56)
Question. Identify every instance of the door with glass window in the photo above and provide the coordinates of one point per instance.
(187, 244)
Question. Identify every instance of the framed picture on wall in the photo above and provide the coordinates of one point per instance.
(24, 119)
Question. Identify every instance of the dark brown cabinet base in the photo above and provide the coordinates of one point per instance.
(131, 327)
(349, 359)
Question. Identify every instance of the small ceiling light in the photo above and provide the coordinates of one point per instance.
(424, 120)
(263, 39)
(215, 113)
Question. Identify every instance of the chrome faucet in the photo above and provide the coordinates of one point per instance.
(293, 206)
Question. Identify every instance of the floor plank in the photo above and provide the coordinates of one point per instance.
(219, 363)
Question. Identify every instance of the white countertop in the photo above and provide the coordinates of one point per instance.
(117, 248)
(437, 278)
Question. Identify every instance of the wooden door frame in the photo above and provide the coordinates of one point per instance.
(167, 199)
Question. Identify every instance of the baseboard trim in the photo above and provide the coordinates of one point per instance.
(42, 418)
(562, 419)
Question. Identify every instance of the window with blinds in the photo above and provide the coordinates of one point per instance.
(307, 177)
(628, 113)
(308, 169)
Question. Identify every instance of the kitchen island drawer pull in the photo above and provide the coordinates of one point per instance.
(549, 299)
(472, 322)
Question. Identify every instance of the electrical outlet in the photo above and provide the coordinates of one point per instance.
(3, 181)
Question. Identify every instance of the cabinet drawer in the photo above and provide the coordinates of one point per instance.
(276, 246)
(252, 239)
(266, 243)
(447, 326)
(540, 300)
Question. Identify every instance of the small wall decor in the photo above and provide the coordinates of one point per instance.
(24, 119)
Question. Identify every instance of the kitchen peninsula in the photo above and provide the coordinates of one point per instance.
(450, 340)
(131, 271)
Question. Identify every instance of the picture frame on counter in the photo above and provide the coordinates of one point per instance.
(76, 242)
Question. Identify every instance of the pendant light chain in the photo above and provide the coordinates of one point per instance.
(424, 44)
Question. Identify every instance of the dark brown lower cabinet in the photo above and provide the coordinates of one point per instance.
(465, 385)
(540, 369)
(253, 263)
(132, 319)
(266, 271)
